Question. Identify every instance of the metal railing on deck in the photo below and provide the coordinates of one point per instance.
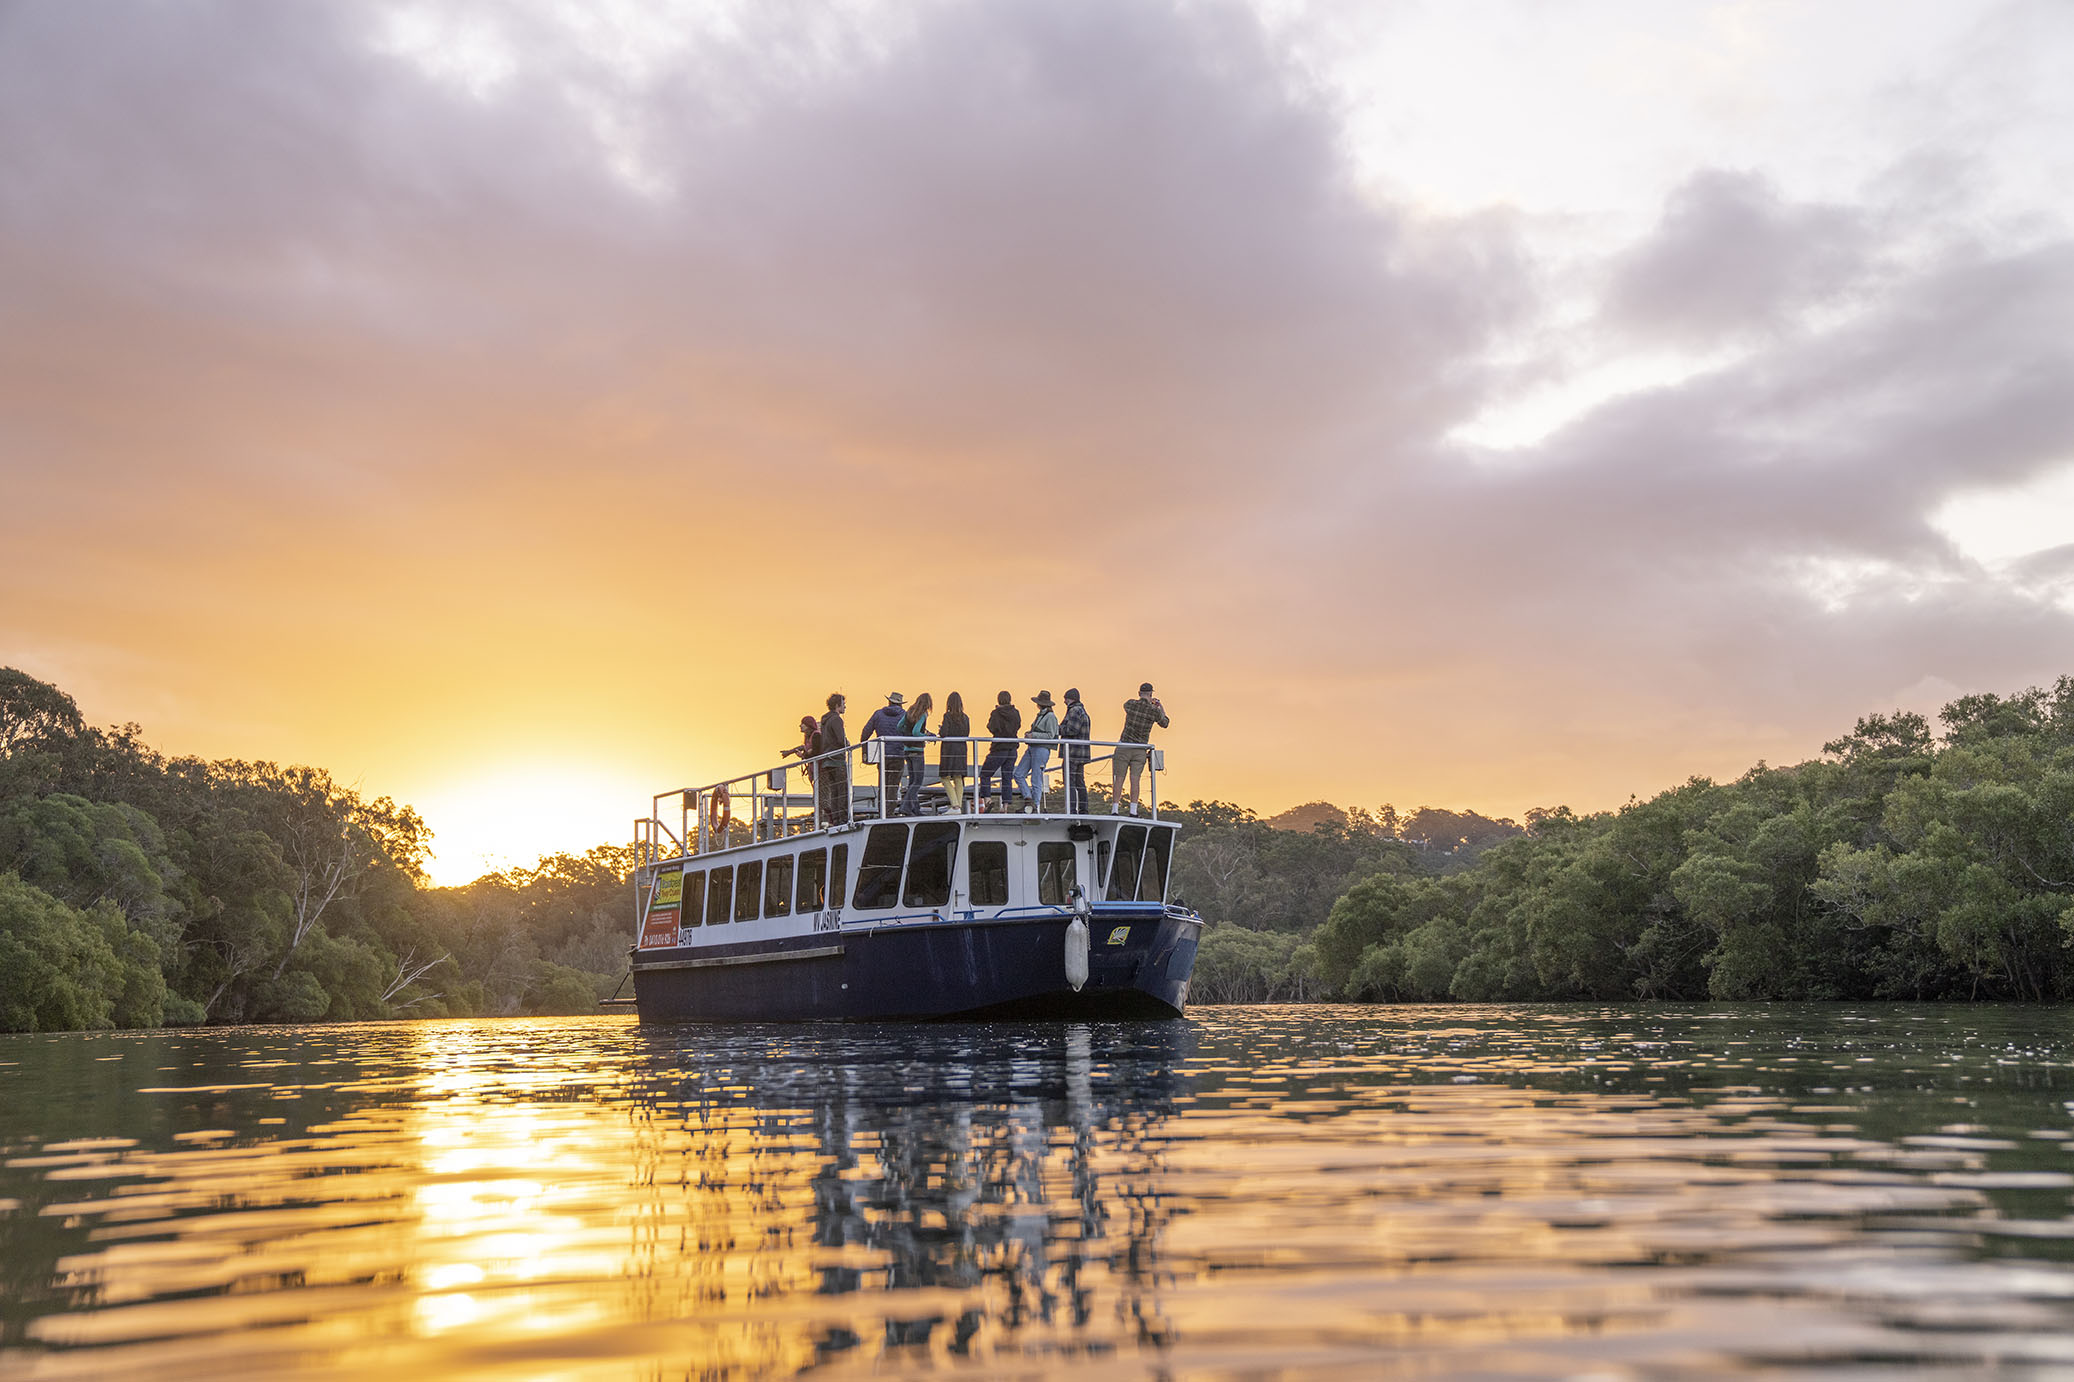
(828, 790)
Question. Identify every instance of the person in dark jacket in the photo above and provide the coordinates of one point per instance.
(809, 745)
(914, 727)
(885, 721)
(951, 759)
(1004, 724)
(1074, 732)
(835, 772)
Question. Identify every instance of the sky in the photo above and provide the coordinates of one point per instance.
(519, 409)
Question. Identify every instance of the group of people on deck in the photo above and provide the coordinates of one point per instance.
(903, 730)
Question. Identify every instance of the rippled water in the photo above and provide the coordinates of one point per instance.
(1342, 1191)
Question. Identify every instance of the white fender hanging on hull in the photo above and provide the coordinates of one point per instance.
(1076, 953)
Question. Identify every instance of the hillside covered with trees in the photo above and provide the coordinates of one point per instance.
(1902, 864)
(138, 889)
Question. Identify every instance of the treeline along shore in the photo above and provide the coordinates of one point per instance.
(1909, 861)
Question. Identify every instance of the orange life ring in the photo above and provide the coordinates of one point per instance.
(720, 813)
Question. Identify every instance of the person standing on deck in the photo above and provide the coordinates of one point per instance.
(1135, 744)
(914, 726)
(951, 758)
(835, 772)
(886, 721)
(1029, 777)
(1004, 724)
(809, 744)
(1075, 730)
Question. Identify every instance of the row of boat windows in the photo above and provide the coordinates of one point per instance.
(924, 858)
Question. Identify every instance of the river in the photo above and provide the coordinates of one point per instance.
(1494, 1191)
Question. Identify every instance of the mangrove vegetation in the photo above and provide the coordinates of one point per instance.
(1908, 861)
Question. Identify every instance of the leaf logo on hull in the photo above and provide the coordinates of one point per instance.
(1118, 935)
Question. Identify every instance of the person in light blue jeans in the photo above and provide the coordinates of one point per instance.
(1029, 775)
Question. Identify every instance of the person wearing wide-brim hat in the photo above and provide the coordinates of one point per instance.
(1029, 775)
(884, 721)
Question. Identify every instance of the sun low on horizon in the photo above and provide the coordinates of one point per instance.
(514, 815)
(522, 410)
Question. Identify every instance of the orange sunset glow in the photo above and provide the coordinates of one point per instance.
(521, 410)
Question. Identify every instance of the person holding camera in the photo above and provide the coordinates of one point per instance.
(1134, 749)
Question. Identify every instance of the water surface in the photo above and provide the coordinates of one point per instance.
(1501, 1191)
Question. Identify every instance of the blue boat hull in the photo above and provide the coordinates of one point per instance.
(1139, 962)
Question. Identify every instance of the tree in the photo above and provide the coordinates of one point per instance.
(331, 840)
(1237, 965)
(1902, 735)
(62, 968)
(34, 713)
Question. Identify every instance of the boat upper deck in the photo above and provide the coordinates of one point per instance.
(888, 778)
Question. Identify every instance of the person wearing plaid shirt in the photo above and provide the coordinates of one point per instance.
(1139, 716)
(1076, 726)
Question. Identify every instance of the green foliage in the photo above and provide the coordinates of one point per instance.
(63, 968)
(144, 889)
(560, 989)
(1237, 965)
(137, 889)
(34, 712)
(1903, 866)
(36, 722)
(1232, 866)
(85, 852)
(294, 997)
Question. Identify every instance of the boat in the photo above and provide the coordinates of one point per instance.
(801, 893)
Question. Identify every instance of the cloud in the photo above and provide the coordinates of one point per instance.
(1730, 257)
(651, 372)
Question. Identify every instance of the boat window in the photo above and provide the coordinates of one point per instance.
(1056, 868)
(878, 876)
(838, 875)
(694, 898)
(748, 889)
(988, 860)
(930, 860)
(1123, 878)
(1101, 864)
(720, 895)
(777, 886)
(1159, 851)
(813, 881)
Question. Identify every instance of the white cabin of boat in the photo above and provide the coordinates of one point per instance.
(787, 866)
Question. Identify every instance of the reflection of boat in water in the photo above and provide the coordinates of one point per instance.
(971, 1188)
(821, 903)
